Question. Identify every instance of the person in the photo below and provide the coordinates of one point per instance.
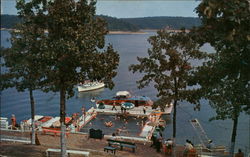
(37, 140)
(188, 147)
(122, 109)
(13, 121)
(156, 141)
(142, 123)
(83, 110)
(239, 154)
(93, 99)
(169, 146)
(108, 124)
(114, 107)
(153, 139)
(113, 137)
(84, 113)
(74, 120)
(118, 131)
(144, 110)
(210, 144)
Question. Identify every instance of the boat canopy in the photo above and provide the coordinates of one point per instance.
(123, 93)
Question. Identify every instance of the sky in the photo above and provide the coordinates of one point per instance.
(131, 8)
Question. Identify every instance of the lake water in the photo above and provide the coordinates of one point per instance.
(129, 47)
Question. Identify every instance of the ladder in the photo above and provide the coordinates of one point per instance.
(200, 132)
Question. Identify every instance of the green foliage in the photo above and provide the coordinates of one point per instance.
(58, 44)
(225, 25)
(22, 60)
(169, 67)
(72, 46)
(224, 78)
(169, 64)
(127, 24)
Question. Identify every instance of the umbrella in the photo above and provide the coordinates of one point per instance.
(128, 105)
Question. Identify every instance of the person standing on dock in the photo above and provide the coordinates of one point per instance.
(114, 107)
(210, 144)
(144, 110)
(122, 109)
(158, 142)
(13, 121)
(84, 114)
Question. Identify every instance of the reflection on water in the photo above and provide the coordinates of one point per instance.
(90, 94)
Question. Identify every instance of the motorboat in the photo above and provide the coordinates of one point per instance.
(88, 86)
(125, 100)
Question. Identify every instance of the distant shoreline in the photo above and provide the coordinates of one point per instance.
(7, 29)
(110, 32)
(126, 32)
(142, 31)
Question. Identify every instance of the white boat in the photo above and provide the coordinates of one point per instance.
(88, 86)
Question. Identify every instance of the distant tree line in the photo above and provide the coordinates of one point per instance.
(9, 21)
(115, 24)
(163, 22)
(126, 24)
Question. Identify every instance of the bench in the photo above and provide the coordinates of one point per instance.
(108, 148)
(122, 144)
(67, 151)
(54, 131)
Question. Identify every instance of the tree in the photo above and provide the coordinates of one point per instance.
(225, 77)
(169, 67)
(74, 51)
(22, 60)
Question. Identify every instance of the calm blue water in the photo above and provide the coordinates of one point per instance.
(129, 47)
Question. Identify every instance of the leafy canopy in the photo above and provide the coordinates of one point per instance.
(169, 65)
(225, 76)
(74, 46)
(24, 69)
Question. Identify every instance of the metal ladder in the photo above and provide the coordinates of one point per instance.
(200, 132)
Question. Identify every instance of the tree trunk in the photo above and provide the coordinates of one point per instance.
(175, 103)
(174, 120)
(62, 121)
(234, 133)
(32, 106)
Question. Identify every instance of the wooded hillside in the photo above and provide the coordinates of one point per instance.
(127, 24)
